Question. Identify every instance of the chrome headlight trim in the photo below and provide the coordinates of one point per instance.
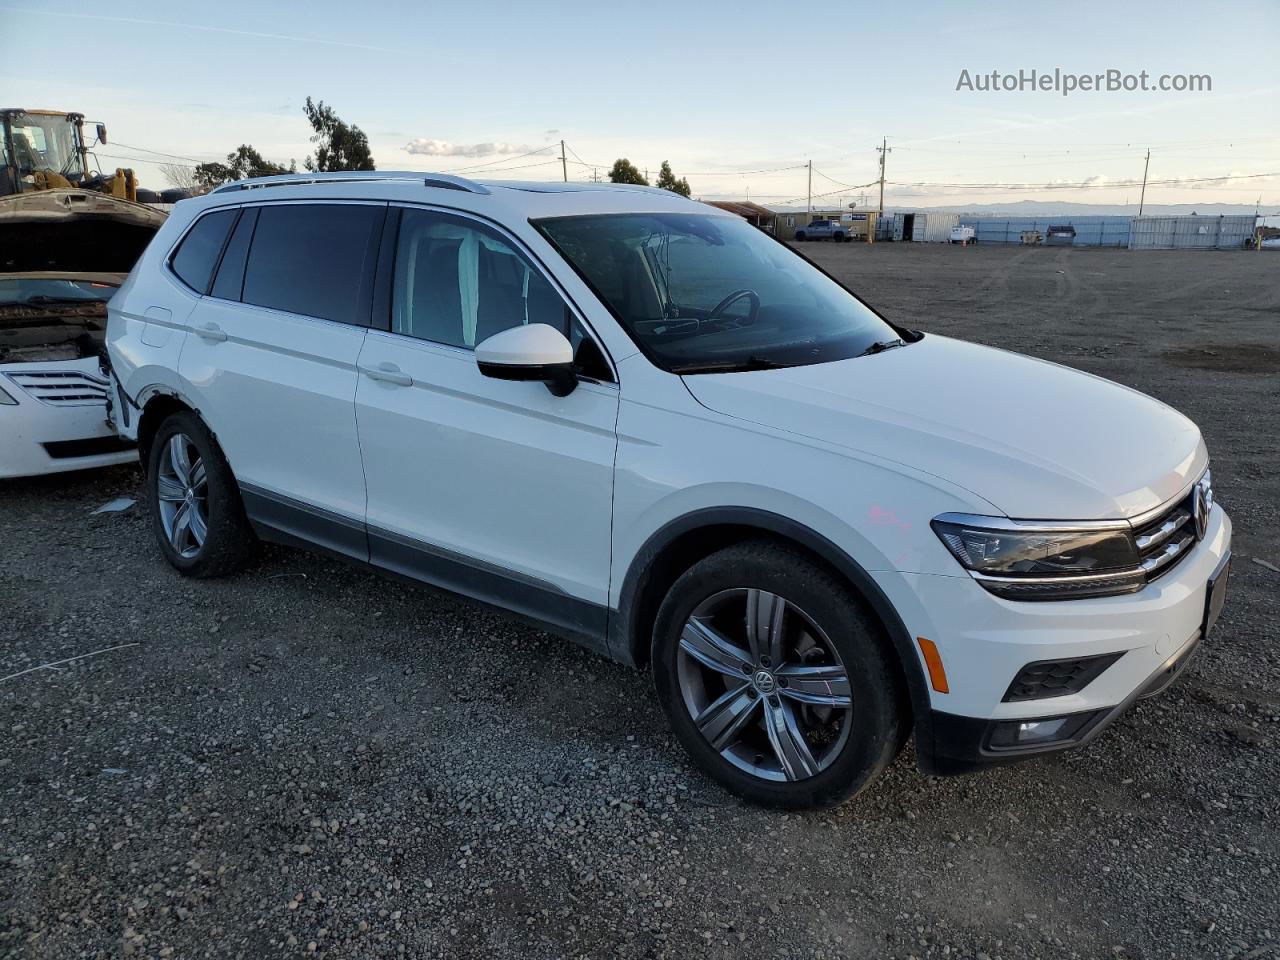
(1111, 582)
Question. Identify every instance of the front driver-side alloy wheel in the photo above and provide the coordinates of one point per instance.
(196, 510)
(776, 678)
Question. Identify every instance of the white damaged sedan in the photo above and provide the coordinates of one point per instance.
(53, 394)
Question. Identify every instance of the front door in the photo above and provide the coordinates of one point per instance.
(491, 488)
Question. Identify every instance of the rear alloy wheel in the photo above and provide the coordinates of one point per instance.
(183, 496)
(196, 510)
(776, 678)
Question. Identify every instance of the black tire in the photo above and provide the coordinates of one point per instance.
(229, 541)
(878, 718)
(802, 236)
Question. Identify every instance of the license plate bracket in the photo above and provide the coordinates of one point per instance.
(1215, 595)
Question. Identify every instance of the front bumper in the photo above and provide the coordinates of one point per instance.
(963, 744)
(38, 437)
(984, 642)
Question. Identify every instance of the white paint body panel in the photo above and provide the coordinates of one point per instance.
(566, 491)
(1035, 439)
(279, 394)
(501, 472)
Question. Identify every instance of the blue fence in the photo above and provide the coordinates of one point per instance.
(1090, 231)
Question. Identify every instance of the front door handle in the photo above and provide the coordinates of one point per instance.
(212, 332)
(388, 373)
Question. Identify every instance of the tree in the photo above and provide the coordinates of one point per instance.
(667, 181)
(339, 146)
(242, 163)
(623, 171)
(182, 176)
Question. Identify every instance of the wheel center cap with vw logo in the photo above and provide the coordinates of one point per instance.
(764, 681)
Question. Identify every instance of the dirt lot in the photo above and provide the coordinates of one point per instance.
(307, 759)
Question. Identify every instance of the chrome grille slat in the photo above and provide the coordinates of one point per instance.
(1166, 530)
(62, 388)
(1163, 540)
(1166, 556)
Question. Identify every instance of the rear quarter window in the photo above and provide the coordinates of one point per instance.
(313, 259)
(198, 253)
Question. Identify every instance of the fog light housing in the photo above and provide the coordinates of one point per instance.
(1038, 732)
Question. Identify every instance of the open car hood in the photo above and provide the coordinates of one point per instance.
(73, 230)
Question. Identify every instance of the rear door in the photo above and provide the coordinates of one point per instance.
(272, 355)
(494, 489)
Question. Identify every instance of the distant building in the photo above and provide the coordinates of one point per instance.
(859, 222)
(753, 213)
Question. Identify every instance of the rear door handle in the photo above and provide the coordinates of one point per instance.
(212, 332)
(388, 373)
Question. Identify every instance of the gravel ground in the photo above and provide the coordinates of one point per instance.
(306, 759)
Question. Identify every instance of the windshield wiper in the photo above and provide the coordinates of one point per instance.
(880, 346)
(733, 366)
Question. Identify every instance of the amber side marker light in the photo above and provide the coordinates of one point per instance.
(937, 675)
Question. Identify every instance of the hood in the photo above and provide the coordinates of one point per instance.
(1035, 439)
(73, 230)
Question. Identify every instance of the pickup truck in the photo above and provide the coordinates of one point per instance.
(823, 230)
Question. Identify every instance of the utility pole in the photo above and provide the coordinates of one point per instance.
(1142, 198)
(564, 166)
(810, 209)
(884, 149)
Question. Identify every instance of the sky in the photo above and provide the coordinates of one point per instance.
(740, 97)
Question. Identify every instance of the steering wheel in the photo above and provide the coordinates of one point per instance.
(733, 298)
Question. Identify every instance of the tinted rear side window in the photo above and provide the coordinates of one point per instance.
(230, 277)
(313, 259)
(198, 255)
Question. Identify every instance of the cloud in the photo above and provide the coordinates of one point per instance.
(443, 148)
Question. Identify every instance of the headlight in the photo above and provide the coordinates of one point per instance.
(1022, 561)
(6, 400)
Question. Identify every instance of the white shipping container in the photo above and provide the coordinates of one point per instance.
(934, 227)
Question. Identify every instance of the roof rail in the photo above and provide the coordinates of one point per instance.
(443, 180)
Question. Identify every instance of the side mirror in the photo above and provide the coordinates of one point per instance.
(102, 133)
(530, 351)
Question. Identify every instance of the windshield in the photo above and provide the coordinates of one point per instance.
(47, 290)
(44, 144)
(705, 294)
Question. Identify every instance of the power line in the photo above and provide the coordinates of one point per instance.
(503, 159)
(526, 166)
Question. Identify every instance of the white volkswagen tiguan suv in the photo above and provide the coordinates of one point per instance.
(643, 423)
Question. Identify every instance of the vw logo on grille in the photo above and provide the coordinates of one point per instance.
(1201, 504)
